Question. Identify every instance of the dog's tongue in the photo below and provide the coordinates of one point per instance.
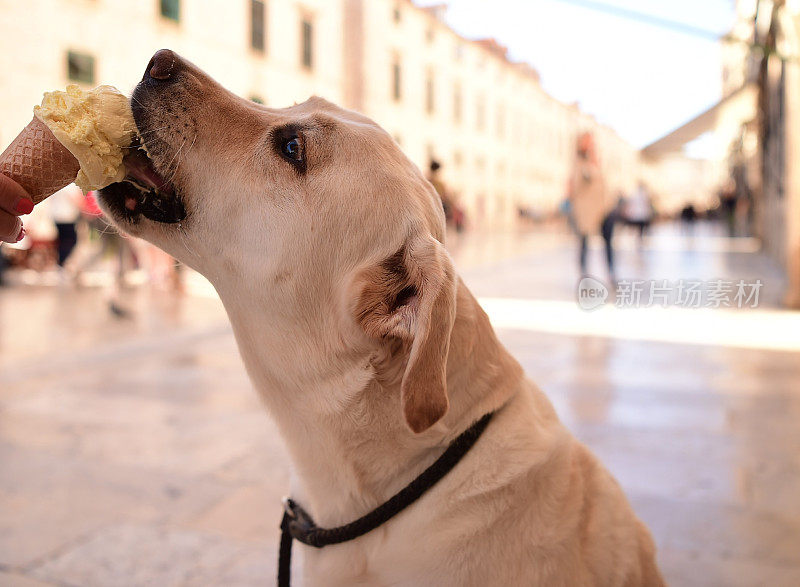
(140, 168)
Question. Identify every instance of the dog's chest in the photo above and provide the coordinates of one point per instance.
(381, 559)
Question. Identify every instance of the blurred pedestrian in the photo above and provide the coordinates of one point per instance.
(565, 209)
(63, 208)
(638, 210)
(111, 244)
(688, 218)
(453, 214)
(590, 211)
(744, 206)
(14, 202)
(727, 202)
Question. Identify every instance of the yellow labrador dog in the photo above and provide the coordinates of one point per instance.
(325, 244)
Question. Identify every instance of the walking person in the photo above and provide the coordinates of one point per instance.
(63, 207)
(453, 214)
(591, 213)
(688, 218)
(111, 244)
(638, 210)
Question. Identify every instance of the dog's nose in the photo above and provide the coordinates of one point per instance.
(162, 66)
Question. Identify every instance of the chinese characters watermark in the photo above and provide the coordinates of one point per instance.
(684, 293)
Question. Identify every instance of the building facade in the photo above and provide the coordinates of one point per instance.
(504, 144)
(275, 52)
(777, 30)
(763, 52)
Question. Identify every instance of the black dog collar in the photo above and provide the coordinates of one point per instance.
(297, 524)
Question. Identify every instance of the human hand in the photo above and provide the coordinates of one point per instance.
(14, 201)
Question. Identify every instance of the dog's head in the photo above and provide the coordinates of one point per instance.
(312, 207)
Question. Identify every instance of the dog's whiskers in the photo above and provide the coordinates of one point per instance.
(183, 158)
(108, 229)
(169, 164)
(186, 154)
(184, 240)
(178, 159)
(153, 130)
(139, 102)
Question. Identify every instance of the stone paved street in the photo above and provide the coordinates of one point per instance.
(134, 451)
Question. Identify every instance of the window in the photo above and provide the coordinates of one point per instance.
(457, 103)
(171, 9)
(397, 16)
(258, 25)
(307, 36)
(501, 121)
(257, 99)
(430, 98)
(80, 67)
(480, 113)
(397, 91)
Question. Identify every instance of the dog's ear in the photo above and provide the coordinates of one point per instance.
(409, 301)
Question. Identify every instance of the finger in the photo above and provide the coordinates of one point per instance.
(13, 198)
(10, 228)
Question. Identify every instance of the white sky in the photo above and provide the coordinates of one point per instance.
(640, 79)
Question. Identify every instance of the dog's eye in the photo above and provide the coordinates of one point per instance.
(292, 149)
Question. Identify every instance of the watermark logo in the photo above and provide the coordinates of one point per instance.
(684, 293)
(591, 293)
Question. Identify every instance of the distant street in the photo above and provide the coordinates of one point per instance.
(134, 451)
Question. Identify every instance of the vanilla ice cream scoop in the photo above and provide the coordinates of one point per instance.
(95, 126)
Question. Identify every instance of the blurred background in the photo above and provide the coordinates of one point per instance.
(622, 189)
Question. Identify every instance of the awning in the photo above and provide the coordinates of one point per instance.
(740, 104)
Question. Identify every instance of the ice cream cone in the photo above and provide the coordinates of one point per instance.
(38, 162)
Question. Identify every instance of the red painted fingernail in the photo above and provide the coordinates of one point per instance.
(24, 206)
(21, 234)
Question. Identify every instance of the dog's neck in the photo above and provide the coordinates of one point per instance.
(343, 427)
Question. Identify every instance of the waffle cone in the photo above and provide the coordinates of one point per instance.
(38, 162)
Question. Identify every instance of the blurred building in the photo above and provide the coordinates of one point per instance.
(676, 180)
(274, 52)
(762, 54)
(755, 130)
(503, 142)
(777, 33)
(699, 181)
(727, 125)
(680, 178)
